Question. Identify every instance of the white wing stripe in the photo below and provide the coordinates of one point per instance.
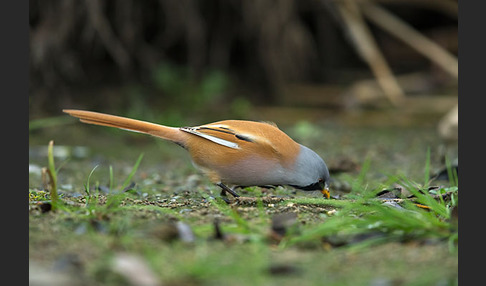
(214, 139)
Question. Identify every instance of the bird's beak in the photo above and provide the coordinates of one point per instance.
(326, 192)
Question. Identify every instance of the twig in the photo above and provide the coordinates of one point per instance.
(448, 7)
(369, 50)
(107, 36)
(393, 25)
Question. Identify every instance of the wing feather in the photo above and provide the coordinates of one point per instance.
(199, 131)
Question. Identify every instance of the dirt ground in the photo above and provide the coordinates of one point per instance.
(171, 224)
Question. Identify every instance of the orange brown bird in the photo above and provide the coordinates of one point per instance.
(234, 152)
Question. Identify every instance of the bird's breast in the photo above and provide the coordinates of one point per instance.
(253, 171)
(239, 166)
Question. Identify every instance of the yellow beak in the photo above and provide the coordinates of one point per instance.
(326, 193)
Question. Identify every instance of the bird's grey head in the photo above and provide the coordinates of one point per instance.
(310, 171)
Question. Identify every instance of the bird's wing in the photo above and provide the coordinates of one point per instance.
(250, 137)
(227, 135)
(217, 135)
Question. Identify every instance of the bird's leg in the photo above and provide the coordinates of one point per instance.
(225, 189)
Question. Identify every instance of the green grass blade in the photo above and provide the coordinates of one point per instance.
(425, 198)
(111, 179)
(357, 186)
(451, 173)
(224, 208)
(134, 169)
(53, 175)
(427, 169)
(86, 186)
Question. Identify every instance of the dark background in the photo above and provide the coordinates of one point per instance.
(177, 61)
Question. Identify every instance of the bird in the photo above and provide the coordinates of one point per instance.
(236, 153)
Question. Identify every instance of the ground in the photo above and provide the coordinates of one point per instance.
(169, 222)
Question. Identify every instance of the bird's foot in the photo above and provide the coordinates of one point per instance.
(225, 189)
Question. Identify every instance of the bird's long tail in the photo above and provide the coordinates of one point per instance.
(164, 132)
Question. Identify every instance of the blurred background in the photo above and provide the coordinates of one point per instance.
(336, 75)
(180, 61)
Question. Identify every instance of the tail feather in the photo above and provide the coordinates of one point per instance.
(96, 118)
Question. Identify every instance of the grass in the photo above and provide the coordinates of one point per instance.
(356, 240)
(52, 175)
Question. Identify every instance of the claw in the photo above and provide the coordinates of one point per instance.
(225, 189)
